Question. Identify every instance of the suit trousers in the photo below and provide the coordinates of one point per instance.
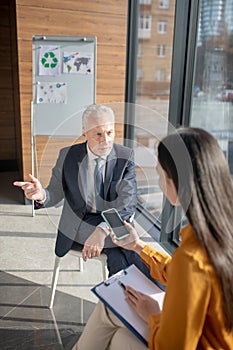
(104, 331)
(119, 258)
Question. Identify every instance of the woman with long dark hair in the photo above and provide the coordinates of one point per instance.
(198, 306)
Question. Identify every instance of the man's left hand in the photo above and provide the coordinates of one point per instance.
(94, 244)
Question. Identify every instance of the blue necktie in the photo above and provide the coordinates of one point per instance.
(99, 185)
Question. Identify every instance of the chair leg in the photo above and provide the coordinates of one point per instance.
(54, 280)
(104, 271)
(56, 328)
(80, 264)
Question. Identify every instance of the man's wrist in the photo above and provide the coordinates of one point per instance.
(104, 227)
(42, 201)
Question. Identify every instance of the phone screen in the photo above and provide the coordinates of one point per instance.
(116, 223)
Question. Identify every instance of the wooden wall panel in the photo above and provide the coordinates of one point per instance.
(7, 120)
(106, 19)
(117, 7)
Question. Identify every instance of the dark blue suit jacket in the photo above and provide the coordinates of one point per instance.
(70, 181)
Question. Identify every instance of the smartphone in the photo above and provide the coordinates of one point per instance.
(115, 222)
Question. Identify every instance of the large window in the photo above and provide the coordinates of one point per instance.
(212, 96)
(211, 90)
(188, 83)
(152, 99)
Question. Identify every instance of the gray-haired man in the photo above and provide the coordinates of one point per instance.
(74, 180)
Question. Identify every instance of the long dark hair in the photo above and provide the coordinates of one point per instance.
(192, 158)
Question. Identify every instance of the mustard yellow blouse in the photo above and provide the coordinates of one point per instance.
(192, 315)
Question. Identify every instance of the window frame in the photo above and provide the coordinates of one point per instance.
(164, 4)
(161, 50)
(160, 73)
(145, 22)
(162, 27)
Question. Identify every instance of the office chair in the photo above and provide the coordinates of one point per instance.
(102, 258)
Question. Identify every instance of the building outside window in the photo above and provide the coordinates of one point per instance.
(145, 22)
(162, 27)
(145, 2)
(159, 75)
(139, 74)
(161, 50)
(164, 4)
(152, 100)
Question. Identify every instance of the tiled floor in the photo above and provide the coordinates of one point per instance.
(26, 264)
(26, 267)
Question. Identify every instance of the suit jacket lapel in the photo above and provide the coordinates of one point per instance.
(82, 172)
(110, 165)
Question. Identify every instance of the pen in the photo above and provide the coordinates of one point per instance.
(122, 285)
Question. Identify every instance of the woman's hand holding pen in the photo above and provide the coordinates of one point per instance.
(132, 242)
(143, 304)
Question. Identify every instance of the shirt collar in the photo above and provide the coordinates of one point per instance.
(93, 156)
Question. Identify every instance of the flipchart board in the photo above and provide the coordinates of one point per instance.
(64, 84)
(64, 80)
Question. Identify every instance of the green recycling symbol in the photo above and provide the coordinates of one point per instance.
(49, 60)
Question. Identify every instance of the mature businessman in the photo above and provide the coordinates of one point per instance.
(74, 179)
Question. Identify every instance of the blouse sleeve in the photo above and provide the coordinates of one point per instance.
(157, 262)
(180, 324)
